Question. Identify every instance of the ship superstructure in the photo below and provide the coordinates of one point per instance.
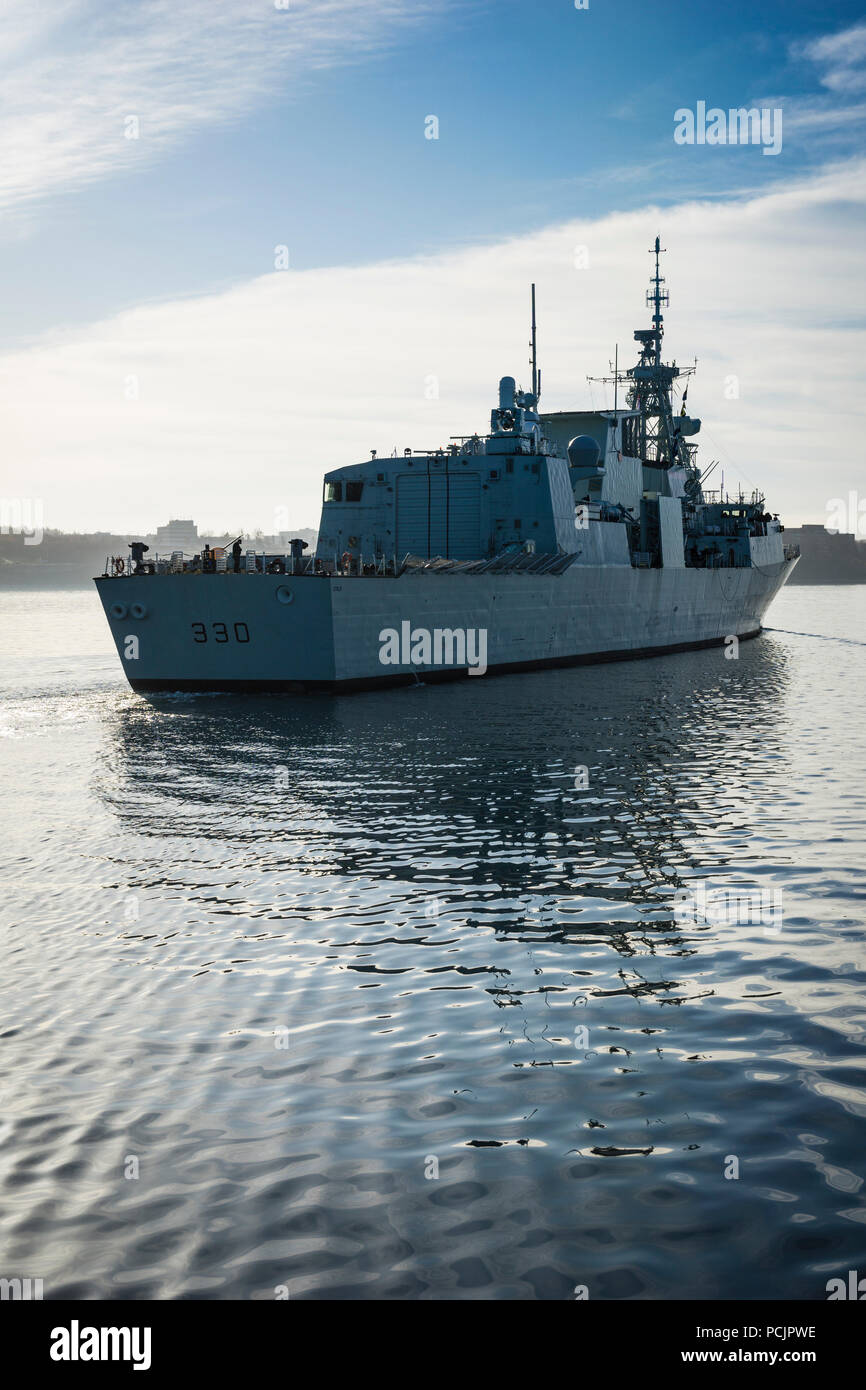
(562, 537)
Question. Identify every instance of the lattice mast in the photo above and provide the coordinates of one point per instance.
(657, 435)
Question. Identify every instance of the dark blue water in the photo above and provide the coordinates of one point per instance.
(293, 988)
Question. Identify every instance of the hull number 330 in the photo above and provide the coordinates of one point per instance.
(220, 632)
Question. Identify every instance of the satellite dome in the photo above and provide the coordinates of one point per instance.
(583, 452)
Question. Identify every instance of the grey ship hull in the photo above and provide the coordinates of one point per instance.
(227, 632)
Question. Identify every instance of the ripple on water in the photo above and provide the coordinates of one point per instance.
(370, 997)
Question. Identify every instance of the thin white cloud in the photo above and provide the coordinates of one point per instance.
(75, 71)
(841, 58)
(246, 397)
(812, 116)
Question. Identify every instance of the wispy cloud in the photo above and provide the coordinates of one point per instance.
(75, 70)
(229, 406)
(841, 59)
(812, 116)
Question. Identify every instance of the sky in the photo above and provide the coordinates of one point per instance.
(233, 257)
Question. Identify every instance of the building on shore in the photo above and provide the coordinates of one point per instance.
(827, 557)
(179, 534)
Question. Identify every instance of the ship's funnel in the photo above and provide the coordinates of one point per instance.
(507, 387)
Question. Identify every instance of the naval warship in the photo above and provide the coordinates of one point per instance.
(553, 539)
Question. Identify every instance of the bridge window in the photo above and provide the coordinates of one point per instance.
(333, 492)
(353, 492)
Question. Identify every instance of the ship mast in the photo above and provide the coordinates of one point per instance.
(653, 433)
(660, 437)
(655, 298)
(536, 375)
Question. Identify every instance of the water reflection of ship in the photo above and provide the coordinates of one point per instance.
(471, 801)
